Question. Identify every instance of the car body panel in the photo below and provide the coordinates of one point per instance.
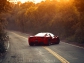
(43, 38)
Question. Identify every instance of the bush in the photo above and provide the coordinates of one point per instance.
(2, 48)
(2, 40)
(71, 39)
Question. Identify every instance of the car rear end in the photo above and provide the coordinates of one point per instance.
(36, 40)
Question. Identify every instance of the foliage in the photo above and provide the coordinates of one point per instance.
(64, 19)
(80, 25)
(4, 6)
(2, 35)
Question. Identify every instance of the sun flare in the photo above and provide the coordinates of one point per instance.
(35, 1)
(23, 1)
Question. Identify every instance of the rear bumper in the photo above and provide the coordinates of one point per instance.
(36, 42)
(39, 42)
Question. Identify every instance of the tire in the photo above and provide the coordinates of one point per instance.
(49, 43)
(30, 44)
(58, 41)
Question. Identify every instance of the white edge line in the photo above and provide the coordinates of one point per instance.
(8, 46)
(73, 45)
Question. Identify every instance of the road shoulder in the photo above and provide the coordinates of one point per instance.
(74, 44)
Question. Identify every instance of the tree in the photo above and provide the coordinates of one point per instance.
(79, 5)
(3, 8)
(2, 5)
(80, 25)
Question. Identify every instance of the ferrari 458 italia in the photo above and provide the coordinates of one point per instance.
(43, 38)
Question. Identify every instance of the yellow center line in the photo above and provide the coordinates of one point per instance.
(56, 55)
(51, 51)
(19, 35)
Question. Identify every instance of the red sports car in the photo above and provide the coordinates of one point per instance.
(43, 38)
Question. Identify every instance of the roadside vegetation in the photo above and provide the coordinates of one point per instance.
(65, 19)
(3, 23)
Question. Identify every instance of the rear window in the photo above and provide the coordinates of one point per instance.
(40, 34)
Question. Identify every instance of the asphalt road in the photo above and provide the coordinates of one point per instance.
(20, 52)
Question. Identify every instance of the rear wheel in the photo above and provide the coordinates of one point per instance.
(58, 41)
(49, 43)
(31, 44)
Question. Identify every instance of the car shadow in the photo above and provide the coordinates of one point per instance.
(40, 45)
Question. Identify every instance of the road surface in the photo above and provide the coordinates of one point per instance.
(20, 52)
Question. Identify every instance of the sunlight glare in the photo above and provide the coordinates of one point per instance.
(35, 1)
(23, 1)
(58, 0)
